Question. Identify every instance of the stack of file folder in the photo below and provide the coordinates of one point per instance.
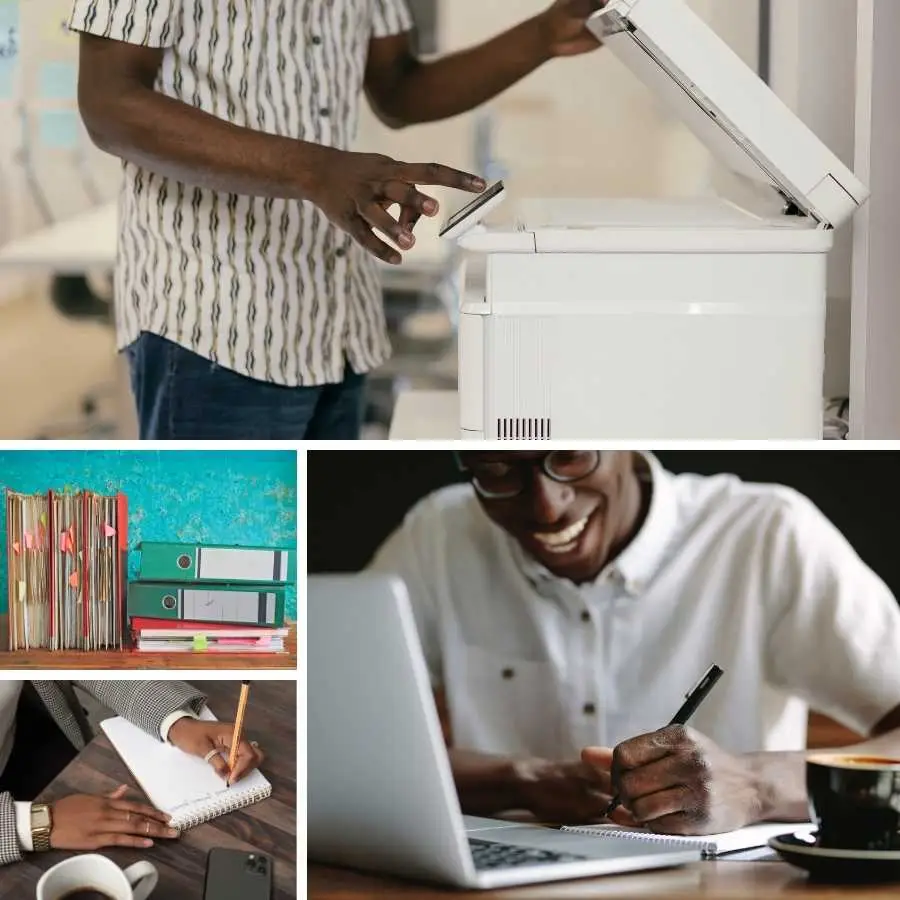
(210, 598)
(67, 570)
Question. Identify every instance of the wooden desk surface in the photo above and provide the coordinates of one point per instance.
(268, 827)
(707, 880)
(130, 659)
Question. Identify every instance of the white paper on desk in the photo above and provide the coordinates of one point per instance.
(748, 838)
(184, 786)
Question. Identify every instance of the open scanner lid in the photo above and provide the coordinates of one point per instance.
(728, 106)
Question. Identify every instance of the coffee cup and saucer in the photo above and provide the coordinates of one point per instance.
(855, 802)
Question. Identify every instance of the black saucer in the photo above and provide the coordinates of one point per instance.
(837, 866)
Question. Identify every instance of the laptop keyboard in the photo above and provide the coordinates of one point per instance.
(488, 855)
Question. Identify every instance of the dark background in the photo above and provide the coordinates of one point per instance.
(357, 497)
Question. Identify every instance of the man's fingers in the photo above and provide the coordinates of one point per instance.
(118, 793)
(116, 839)
(366, 238)
(409, 218)
(408, 196)
(436, 174)
(378, 217)
(248, 759)
(669, 802)
(218, 762)
(137, 825)
(139, 810)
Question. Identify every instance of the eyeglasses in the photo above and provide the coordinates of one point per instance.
(502, 480)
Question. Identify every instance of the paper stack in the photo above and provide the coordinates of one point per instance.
(67, 559)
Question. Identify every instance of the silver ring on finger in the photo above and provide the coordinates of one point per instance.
(210, 755)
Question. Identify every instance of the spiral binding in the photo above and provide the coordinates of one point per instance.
(669, 840)
(213, 810)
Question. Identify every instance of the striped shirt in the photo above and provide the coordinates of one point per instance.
(267, 288)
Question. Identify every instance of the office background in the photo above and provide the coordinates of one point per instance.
(356, 498)
(212, 496)
(574, 128)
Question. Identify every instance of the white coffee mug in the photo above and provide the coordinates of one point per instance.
(95, 872)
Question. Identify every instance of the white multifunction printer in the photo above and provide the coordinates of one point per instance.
(661, 319)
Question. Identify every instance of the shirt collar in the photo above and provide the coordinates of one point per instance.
(639, 561)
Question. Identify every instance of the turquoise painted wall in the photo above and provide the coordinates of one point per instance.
(213, 496)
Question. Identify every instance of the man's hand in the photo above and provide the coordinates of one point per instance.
(202, 738)
(563, 27)
(85, 822)
(355, 191)
(574, 792)
(676, 781)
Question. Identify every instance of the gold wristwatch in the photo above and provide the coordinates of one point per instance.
(41, 824)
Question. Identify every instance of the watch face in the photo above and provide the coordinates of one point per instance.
(40, 817)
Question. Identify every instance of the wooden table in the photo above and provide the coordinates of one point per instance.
(131, 659)
(267, 827)
(707, 880)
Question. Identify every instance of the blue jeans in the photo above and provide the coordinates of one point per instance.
(182, 396)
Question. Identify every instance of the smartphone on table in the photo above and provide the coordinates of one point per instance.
(237, 875)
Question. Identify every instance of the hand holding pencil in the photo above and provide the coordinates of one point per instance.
(222, 744)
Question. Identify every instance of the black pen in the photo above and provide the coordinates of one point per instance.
(692, 700)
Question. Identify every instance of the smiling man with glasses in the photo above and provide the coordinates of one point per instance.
(567, 600)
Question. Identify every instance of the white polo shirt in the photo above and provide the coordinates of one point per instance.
(750, 576)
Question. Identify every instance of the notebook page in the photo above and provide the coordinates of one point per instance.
(176, 782)
(711, 844)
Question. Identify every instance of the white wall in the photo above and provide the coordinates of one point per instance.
(814, 72)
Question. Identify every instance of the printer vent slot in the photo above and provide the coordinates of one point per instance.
(520, 429)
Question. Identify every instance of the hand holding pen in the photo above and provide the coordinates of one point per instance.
(692, 701)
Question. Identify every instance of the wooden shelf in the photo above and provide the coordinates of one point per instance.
(132, 659)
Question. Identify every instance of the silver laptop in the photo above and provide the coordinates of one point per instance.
(381, 795)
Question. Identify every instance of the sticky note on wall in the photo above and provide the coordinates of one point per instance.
(58, 81)
(9, 46)
(59, 129)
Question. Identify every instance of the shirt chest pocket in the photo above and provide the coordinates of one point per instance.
(505, 705)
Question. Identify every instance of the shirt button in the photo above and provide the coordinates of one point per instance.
(340, 252)
(589, 709)
(508, 673)
(316, 40)
(585, 616)
(324, 112)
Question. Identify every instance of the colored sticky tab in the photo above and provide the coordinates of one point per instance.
(108, 530)
(17, 549)
(43, 519)
(29, 541)
(200, 642)
(21, 592)
(64, 542)
(73, 580)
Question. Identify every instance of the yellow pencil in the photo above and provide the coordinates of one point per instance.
(238, 726)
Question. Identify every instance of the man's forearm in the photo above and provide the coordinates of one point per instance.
(195, 148)
(486, 785)
(781, 777)
(460, 82)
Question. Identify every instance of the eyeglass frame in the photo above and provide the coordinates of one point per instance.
(541, 463)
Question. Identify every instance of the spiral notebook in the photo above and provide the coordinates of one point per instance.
(184, 786)
(709, 844)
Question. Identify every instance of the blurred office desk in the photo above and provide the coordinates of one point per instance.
(132, 659)
(705, 881)
(71, 247)
(426, 416)
(269, 826)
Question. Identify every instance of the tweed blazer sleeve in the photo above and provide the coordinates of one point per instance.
(10, 849)
(145, 703)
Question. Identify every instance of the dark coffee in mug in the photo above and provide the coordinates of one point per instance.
(855, 800)
(86, 893)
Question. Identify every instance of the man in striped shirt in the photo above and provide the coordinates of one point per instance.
(247, 295)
